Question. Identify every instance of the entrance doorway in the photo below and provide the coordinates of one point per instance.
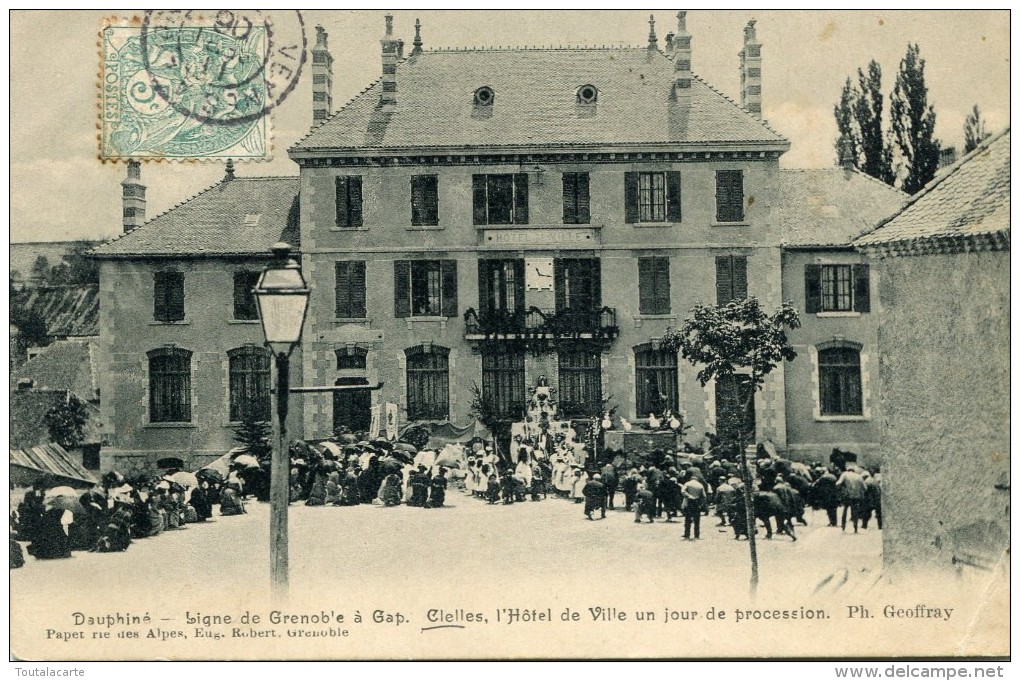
(352, 408)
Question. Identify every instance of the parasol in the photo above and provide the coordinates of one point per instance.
(400, 455)
(405, 447)
(382, 443)
(209, 475)
(66, 498)
(184, 479)
(246, 461)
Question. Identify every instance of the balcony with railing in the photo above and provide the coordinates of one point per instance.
(537, 324)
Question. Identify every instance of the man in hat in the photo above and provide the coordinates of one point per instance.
(693, 506)
(610, 481)
(851, 484)
(872, 498)
(594, 496)
(825, 494)
(644, 504)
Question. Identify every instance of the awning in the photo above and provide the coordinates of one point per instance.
(31, 463)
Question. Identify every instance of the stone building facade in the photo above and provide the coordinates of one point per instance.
(476, 219)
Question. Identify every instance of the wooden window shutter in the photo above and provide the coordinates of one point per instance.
(519, 284)
(646, 285)
(583, 199)
(569, 198)
(171, 296)
(723, 279)
(359, 306)
(862, 288)
(449, 275)
(661, 303)
(729, 195)
(673, 196)
(484, 304)
(343, 289)
(559, 283)
(596, 282)
(341, 202)
(401, 288)
(812, 289)
(630, 197)
(478, 197)
(432, 199)
(417, 199)
(354, 199)
(739, 277)
(521, 199)
(159, 297)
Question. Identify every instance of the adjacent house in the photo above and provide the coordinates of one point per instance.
(943, 263)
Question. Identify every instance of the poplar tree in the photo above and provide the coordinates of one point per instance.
(974, 131)
(913, 122)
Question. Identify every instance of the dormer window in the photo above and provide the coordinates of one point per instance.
(484, 96)
(587, 94)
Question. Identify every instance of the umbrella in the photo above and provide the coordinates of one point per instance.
(113, 479)
(348, 439)
(448, 461)
(390, 465)
(403, 456)
(66, 498)
(209, 475)
(405, 447)
(382, 443)
(332, 448)
(246, 461)
(185, 479)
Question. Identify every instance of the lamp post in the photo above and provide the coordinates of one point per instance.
(282, 296)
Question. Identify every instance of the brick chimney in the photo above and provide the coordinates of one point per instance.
(133, 197)
(392, 52)
(750, 72)
(682, 57)
(847, 157)
(322, 77)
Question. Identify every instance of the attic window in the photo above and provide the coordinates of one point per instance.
(587, 94)
(484, 96)
(252, 219)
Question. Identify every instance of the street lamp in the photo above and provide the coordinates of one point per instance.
(282, 296)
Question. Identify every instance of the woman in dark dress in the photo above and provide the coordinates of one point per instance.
(201, 501)
(51, 540)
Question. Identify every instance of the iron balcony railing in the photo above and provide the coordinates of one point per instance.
(536, 323)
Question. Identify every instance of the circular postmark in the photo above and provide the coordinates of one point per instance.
(223, 67)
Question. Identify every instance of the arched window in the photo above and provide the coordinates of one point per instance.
(249, 384)
(428, 382)
(655, 381)
(169, 385)
(839, 381)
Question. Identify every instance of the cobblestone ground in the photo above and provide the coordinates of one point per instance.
(472, 557)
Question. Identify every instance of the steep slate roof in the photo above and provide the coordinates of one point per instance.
(536, 104)
(49, 459)
(64, 365)
(831, 206)
(67, 310)
(970, 201)
(242, 216)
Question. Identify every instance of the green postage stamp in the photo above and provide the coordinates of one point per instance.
(181, 85)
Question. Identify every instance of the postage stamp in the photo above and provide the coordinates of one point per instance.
(188, 85)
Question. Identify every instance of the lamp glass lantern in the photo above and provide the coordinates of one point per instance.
(282, 296)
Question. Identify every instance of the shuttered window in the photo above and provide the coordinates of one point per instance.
(655, 381)
(169, 385)
(503, 383)
(425, 288)
(501, 286)
(730, 278)
(350, 289)
(653, 285)
(245, 306)
(500, 199)
(729, 196)
(839, 382)
(576, 199)
(425, 200)
(428, 383)
(580, 389)
(348, 201)
(577, 283)
(652, 197)
(249, 384)
(168, 296)
(837, 288)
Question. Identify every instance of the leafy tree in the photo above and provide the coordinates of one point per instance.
(974, 131)
(66, 422)
(81, 267)
(844, 113)
(41, 268)
(32, 330)
(256, 437)
(737, 339)
(913, 122)
(868, 115)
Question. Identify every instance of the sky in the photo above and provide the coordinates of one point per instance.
(60, 190)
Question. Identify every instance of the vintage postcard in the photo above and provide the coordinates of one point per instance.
(510, 335)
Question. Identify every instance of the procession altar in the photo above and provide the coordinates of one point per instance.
(641, 440)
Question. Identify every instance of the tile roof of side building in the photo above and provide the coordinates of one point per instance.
(242, 216)
(63, 365)
(536, 103)
(968, 204)
(831, 206)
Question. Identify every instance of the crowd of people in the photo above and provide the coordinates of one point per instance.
(655, 485)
